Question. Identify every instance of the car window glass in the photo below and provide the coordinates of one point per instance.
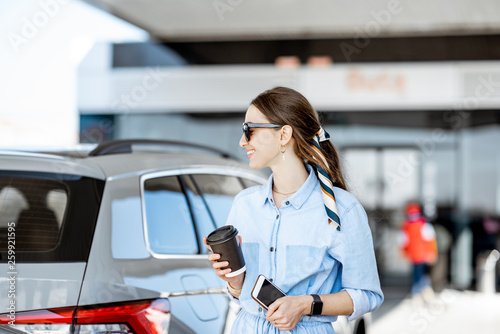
(219, 192)
(203, 219)
(56, 201)
(12, 202)
(35, 208)
(170, 228)
(51, 217)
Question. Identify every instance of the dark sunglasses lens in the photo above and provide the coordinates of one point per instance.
(246, 131)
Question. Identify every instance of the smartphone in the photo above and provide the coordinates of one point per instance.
(265, 292)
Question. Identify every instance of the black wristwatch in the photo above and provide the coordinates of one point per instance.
(316, 306)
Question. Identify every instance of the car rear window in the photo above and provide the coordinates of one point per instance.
(47, 216)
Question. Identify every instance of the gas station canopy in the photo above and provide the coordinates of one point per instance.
(200, 20)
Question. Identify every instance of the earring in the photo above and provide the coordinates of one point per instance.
(283, 150)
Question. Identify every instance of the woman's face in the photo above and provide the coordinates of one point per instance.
(263, 148)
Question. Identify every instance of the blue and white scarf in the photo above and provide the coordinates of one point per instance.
(326, 182)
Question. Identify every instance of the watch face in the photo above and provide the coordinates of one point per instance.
(316, 306)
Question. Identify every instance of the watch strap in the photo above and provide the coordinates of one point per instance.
(317, 305)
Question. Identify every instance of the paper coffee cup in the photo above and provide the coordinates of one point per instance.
(225, 241)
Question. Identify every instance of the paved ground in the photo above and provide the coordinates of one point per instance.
(450, 311)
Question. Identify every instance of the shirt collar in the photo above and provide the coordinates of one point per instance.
(299, 198)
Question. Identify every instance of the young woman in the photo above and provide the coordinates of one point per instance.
(302, 229)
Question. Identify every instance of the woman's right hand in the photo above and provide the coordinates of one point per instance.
(236, 281)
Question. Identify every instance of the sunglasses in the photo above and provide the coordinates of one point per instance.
(248, 126)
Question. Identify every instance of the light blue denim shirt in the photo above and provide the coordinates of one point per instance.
(297, 248)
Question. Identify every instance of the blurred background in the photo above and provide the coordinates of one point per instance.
(408, 90)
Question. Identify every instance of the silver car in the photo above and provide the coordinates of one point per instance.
(110, 240)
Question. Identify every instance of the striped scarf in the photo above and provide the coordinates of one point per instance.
(326, 182)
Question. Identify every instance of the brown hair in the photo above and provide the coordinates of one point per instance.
(285, 106)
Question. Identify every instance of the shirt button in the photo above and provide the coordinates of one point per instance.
(272, 249)
(271, 199)
(277, 216)
(270, 280)
(287, 202)
(260, 309)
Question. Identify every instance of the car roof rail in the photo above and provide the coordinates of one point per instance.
(125, 146)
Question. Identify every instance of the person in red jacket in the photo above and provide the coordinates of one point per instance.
(418, 244)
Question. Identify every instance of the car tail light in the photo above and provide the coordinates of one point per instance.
(142, 317)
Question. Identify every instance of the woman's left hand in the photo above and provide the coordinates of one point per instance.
(286, 312)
